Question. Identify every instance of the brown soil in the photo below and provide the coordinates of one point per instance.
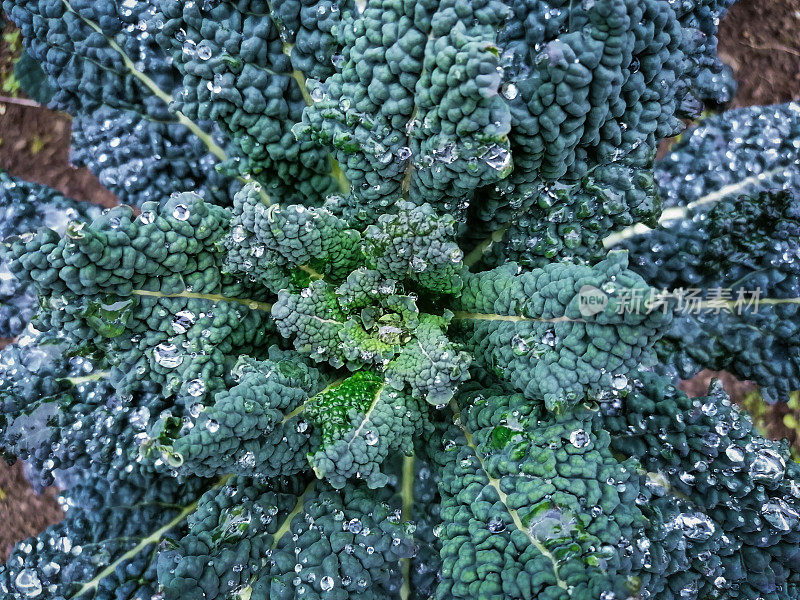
(34, 145)
(698, 385)
(34, 141)
(757, 38)
(22, 512)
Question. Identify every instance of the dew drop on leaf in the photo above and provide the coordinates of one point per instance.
(28, 583)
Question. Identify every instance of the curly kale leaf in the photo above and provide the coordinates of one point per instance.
(146, 298)
(415, 244)
(32, 79)
(563, 221)
(24, 208)
(235, 72)
(256, 427)
(741, 151)
(83, 47)
(741, 489)
(264, 539)
(727, 248)
(362, 421)
(366, 322)
(558, 331)
(526, 506)
(279, 246)
(453, 98)
(60, 415)
(742, 257)
(108, 542)
(267, 243)
(142, 160)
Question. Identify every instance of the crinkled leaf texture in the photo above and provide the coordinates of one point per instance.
(358, 330)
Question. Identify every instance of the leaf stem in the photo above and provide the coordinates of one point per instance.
(252, 304)
(312, 272)
(287, 522)
(481, 249)
(681, 212)
(21, 102)
(407, 494)
(495, 483)
(86, 378)
(151, 85)
(153, 538)
(302, 407)
(336, 171)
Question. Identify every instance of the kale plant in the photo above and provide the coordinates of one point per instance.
(396, 303)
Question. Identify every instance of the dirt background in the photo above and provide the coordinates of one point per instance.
(759, 39)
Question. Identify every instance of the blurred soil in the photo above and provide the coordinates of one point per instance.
(758, 39)
(34, 145)
(34, 141)
(23, 513)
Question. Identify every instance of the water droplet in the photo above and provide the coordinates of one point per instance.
(780, 515)
(248, 460)
(196, 387)
(519, 345)
(497, 157)
(140, 418)
(167, 356)
(239, 234)
(709, 409)
(317, 94)
(182, 321)
(445, 153)
(204, 51)
(28, 583)
(326, 583)
(509, 91)
(181, 212)
(768, 466)
(695, 526)
(418, 264)
(496, 525)
(370, 438)
(354, 526)
(579, 438)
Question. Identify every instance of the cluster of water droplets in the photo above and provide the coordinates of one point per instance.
(536, 345)
(763, 152)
